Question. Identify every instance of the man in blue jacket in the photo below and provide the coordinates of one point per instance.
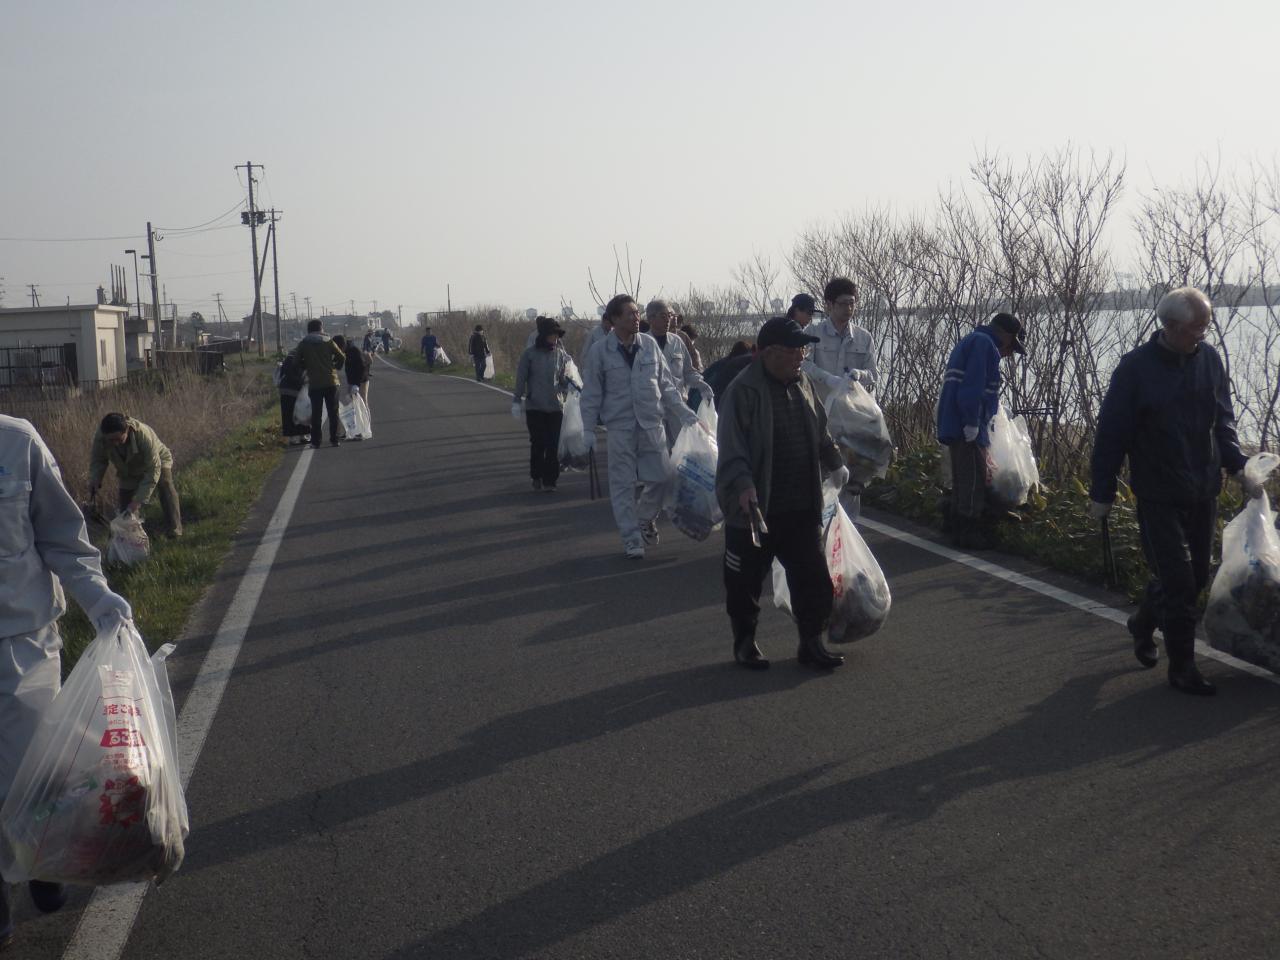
(1168, 409)
(970, 398)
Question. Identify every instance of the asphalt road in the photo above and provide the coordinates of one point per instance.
(463, 726)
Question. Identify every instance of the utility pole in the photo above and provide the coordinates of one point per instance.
(352, 308)
(252, 218)
(155, 283)
(222, 317)
(295, 305)
(308, 300)
(400, 315)
(35, 297)
(448, 300)
(275, 274)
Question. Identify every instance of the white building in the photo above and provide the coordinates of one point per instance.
(47, 345)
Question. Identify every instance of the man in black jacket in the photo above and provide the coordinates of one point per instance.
(1168, 410)
(478, 347)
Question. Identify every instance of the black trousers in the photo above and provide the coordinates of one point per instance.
(329, 397)
(479, 368)
(968, 480)
(796, 540)
(287, 427)
(1176, 540)
(544, 444)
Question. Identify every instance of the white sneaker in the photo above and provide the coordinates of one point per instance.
(635, 552)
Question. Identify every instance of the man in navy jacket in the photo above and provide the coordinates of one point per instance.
(970, 398)
(1168, 410)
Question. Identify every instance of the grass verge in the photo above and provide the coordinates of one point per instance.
(217, 491)
(414, 361)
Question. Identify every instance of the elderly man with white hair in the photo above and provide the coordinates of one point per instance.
(679, 361)
(1168, 409)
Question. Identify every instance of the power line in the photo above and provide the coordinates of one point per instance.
(133, 236)
(221, 216)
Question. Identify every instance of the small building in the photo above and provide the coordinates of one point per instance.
(72, 345)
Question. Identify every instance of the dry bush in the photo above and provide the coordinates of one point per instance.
(190, 413)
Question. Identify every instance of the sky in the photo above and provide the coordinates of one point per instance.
(499, 150)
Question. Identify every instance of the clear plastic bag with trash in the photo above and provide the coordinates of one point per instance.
(857, 425)
(1013, 461)
(860, 592)
(1243, 613)
(691, 496)
(97, 798)
(129, 544)
(353, 411)
(442, 357)
(489, 372)
(573, 440)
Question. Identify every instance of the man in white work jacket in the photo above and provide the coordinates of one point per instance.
(844, 350)
(43, 547)
(679, 361)
(628, 387)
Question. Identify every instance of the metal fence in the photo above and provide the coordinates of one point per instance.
(39, 366)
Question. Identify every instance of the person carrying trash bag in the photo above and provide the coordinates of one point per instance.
(322, 359)
(44, 547)
(774, 449)
(970, 399)
(629, 389)
(543, 380)
(143, 466)
(1168, 410)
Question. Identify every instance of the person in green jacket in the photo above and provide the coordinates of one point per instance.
(322, 359)
(143, 466)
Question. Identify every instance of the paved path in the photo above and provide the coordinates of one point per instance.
(462, 726)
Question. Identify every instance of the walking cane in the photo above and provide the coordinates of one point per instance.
(1108, 558)
(593, 478)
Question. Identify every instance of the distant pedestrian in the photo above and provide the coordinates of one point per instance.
(970, 398)
(690, 337)
(368, 340)
(629, 388)
(844, 350)
(478, 347)
(598, 333)
(322, 359)
(802, 309)
(386, 340)
(679, 362)
(774, 449)
(143, 466)
(542, 383)
(1168, 410)
(430, 344)
(44, 549)
(290, 380)
(721, 373)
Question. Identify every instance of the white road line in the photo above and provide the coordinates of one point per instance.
(447, 376)
(1001, 573)
(1045, 589)
(108, 919)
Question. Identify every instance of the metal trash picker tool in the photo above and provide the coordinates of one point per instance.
(758, 527)
(593, 476)
(1108, 557)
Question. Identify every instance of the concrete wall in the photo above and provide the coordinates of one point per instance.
(96, 330)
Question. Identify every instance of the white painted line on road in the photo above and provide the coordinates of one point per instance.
(447, 376)
(1045, 589)
(108, 918)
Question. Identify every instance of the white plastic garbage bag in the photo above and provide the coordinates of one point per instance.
(861, 598)
(442, 357)
(708, 416)
(1014, 471)
(98, 797)
(856, 423)
(129, 543)
(573, 441)
(691, 496)
(302, 409)
(354, 414)
(571, 373)
(1243, 614)
(488, 367)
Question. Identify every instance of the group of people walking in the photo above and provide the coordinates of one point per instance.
(328, 370)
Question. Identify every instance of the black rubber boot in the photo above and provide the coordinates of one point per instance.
(745, 652)
(813, 652)
(1142, 628)
(48, 897)
(1184, 676)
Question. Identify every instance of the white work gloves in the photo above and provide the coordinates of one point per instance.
(970, 434)
(517, 410)
(863, 377)
(1249, 485)
(840, 477)
(110, 612)
(1098, 511)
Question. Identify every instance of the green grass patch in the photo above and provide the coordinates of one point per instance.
(216, 493)
(415, 361)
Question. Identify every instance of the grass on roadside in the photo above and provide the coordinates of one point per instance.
(216, 491)
(415, 361)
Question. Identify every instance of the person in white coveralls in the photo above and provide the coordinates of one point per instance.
(844, 350)
(628, 387)
(679, 361)
(44, 547)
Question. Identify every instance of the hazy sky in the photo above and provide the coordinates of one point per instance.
(503, 148)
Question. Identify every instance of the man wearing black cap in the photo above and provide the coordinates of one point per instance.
(774, 447)
(802, 309)
(542, 386)
(970, 398)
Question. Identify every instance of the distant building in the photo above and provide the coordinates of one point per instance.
(80, 345)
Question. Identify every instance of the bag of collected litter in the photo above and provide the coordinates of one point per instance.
(98, 797)
(691, 496)
(571, 374)
(861, 597)
(707, 414)
(856, 423)
(573, 441)
(1014, 471)
(488, 367)
(302, 409)
(354, 414)
(129, 543)
(442, 357)
(1243, 613)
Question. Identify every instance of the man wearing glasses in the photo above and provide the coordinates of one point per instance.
(844, 350)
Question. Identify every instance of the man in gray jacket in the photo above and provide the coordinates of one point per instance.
(629, 389)
(774, 447)
(43, 547)
(679, 361)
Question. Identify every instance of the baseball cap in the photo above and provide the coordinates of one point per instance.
(781, 332)
(1012, 326)
(802, 301)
